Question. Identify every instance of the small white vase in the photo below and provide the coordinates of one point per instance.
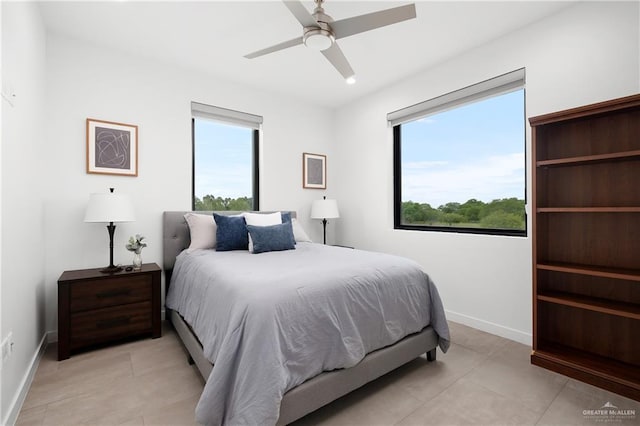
(137, 261)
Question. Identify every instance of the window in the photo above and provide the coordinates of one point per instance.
(225, 159)
(459, 160)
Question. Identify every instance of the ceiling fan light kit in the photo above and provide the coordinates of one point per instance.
(318, 38)
(320, 32)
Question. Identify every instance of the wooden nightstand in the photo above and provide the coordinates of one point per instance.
(96, 308)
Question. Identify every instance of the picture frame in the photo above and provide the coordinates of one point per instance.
(112, 148)
(314, 171)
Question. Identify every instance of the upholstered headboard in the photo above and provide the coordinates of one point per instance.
(175, 236)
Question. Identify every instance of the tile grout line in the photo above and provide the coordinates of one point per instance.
(520, 402)
(487, 356)
(552, 401)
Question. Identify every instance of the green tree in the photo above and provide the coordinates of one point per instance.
(213, 203)
(431, 215)
(240, 204)
(412, 213)
(507, 205)
(450, 207)
(502, 220)
(418, 213)
(472, 210)
(506, 213)
(451, 218)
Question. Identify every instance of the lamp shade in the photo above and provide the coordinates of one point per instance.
(324, 209)
(109, 207)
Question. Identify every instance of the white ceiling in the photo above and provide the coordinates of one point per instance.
(213, 37)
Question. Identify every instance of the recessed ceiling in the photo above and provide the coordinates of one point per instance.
(213, 36)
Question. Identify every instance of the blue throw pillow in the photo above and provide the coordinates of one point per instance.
(286, 218)
(271, 238)
(231, 233)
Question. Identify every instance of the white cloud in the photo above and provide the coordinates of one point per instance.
(483, 179)
(228, 180)
(422, 165)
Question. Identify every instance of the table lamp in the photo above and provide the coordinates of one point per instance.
(324, 209)
(109, 207)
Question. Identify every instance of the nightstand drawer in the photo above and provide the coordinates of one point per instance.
(110, 323)
(93, 294)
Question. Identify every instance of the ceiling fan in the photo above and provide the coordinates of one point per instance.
(320, 31)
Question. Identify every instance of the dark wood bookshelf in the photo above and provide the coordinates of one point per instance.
(586, 243)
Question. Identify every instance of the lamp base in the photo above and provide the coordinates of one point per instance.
(324, 230)
(111, 269)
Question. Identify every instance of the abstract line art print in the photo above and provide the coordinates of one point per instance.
(112, 148)
(314, 171)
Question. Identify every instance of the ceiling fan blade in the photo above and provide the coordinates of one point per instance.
(359, 24)
(336, 57)
(280, 46)
(301, 13)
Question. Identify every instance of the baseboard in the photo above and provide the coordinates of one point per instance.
(21, 395)
(489, 327)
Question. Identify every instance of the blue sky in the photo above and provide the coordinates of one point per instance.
(223, 160)
(473, 151)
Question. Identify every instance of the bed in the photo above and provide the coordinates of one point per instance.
(255, 379)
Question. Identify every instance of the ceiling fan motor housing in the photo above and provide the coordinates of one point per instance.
(320, 37)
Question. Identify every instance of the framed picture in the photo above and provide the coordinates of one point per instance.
(112, 148)
(314, 171)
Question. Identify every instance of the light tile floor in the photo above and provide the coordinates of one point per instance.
(483, 379)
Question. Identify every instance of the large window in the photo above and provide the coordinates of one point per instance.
(459, 160)
(225, 159)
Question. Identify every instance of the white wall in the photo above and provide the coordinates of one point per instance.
(23, 279)
(86, 81)
(587, 53)
(45, 187)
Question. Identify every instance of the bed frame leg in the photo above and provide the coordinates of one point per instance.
(431, 355)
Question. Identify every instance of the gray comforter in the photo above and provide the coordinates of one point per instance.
(270, 321)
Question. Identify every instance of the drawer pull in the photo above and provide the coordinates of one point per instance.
(113, 322)
(114, 293)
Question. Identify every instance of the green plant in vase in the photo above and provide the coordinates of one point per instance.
(136, 244)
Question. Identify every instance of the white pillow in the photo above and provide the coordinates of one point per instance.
(298, 232)
(202, 228)
(261, 219)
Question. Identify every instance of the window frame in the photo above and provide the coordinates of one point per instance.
(255, 178)
(415, 112)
